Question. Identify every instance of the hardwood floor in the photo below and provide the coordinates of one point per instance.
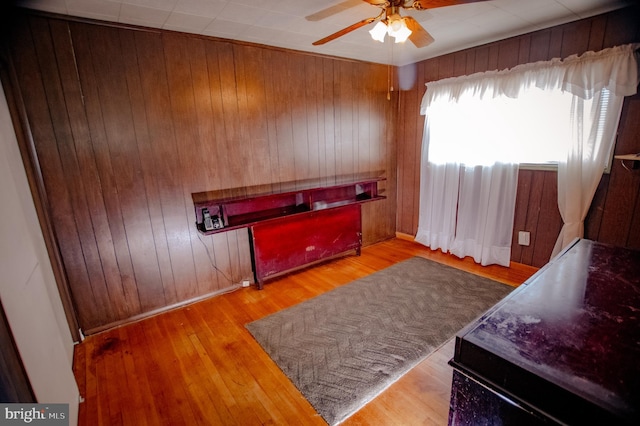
(198, 365)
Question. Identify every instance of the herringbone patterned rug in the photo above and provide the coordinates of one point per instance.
(344, 347)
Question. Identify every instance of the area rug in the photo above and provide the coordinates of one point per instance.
(343, 348)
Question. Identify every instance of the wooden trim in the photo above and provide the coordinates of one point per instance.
(406, 237)
(164, 309)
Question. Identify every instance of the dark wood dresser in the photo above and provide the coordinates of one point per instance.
(563, 348)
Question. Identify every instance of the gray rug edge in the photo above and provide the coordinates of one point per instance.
(408, 367)
(376, 391)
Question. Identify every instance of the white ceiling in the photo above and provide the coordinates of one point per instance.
(282, 23)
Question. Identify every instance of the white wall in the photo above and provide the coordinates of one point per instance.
(27, 285)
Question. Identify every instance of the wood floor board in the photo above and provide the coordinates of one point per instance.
(198, 365)
(137, 387)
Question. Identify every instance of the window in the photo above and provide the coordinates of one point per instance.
(476, 133)
(532, 130)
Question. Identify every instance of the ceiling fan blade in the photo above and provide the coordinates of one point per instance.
(332, 10)
(376, 2)
(344, 31)
(419, 36)
(432, 4)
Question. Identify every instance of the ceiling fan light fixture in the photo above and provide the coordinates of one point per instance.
(396, 28)
(379, 32)
(394, 22)
(389, 20)
(401, 32)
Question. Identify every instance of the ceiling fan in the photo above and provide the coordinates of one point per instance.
(389, 19)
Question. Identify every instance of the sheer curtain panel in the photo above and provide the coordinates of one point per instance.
(468, 179)
(599, 82)
(486, 204)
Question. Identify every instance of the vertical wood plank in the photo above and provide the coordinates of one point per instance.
(363, 120)
(418, 148)
(459, 64)
(218, 175)
(549, 221)
(575, 38)
(633, 238)
(298, 120)
(312, 95)
(471, 61)
(555, 42)
(346, 119)
(481, 63)
(524, 49)
(121, 290)
(117, 173)
(508, 53)
(180, 77)
(32, 86)
(597, 33)
(284, 130)
(70, 167)
(120, 137)
(409, 101)
(593, 221)
(533, 215)
(206, 155)
(445, 66)
(520, 214)
(622, 27)
(540, 46)
(270, 110)
(180, 271)
(492, 58)
(156, 296)
(619, 210)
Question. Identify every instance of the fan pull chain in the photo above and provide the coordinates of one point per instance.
(389, 82)
(389, 72)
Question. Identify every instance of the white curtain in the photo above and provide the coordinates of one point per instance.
(467, 198)
(486, 204)
(605, 79)
(439, 185)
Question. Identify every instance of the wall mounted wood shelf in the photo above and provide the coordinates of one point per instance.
(291, 228)
(633, 158)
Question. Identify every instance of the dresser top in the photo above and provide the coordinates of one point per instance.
(568, 339)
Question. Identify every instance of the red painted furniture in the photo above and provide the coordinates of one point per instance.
(291, 229)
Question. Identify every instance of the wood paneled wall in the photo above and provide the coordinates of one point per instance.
(127, 123)
(615, 213)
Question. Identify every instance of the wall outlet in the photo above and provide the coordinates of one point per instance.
(524, 238)
(246, 283)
